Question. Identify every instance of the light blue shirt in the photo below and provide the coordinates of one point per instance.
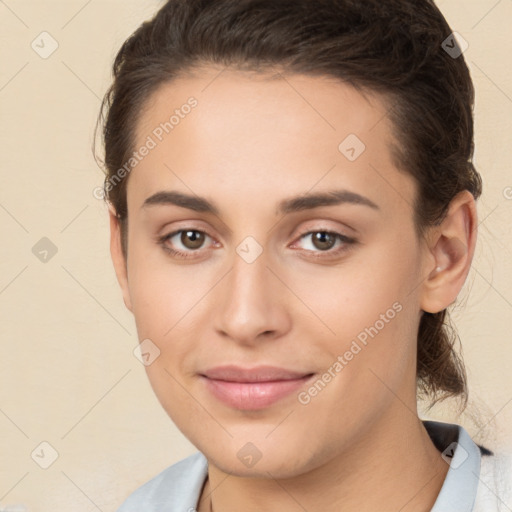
(178, 488)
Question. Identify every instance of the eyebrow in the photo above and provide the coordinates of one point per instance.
(289, 205)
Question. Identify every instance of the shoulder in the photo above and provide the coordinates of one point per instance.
(495, 486)
(177, 486)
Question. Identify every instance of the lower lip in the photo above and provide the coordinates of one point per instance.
(250, 396)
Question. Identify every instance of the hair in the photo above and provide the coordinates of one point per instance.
(393, 48)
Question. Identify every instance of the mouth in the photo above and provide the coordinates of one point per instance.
(252, 388)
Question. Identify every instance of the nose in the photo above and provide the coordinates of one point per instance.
(253, 302)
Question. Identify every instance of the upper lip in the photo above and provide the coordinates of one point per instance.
(233, 373)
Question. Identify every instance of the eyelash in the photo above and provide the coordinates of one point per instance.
(347, 242)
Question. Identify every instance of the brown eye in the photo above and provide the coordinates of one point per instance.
(192, 239)
(325, 244)
(323, 240)
(184, 243)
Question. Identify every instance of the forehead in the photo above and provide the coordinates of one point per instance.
(269, 100)
(280, 132)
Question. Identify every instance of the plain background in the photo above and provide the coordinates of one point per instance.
(68, 375)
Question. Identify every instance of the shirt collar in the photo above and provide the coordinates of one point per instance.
(463, 455)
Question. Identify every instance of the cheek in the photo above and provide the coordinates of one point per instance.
(161, 293)
(370, 362)
(373, 282)
(384, 313)
(371, 315)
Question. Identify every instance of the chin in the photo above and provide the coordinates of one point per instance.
(278, 469)
(260, 458)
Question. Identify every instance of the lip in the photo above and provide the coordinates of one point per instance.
(252, 388)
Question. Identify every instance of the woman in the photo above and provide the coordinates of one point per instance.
(292, 210)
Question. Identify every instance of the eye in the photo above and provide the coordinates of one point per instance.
(322, 241)
(190, 239)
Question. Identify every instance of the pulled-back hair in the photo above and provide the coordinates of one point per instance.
(395, 48)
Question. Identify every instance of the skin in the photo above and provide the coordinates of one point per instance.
(251, 142)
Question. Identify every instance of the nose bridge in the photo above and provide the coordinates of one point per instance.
(250, 275)
(250, 272)
(249, 280)
(252, 300)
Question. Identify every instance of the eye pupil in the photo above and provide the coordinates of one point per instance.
(319, 238)
(196, 238)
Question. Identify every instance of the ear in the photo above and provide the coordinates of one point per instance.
(451, 246)
(118, 258)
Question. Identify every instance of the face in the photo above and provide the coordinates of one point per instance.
(274, 266)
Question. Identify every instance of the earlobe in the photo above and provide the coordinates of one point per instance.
(452, 247)
(118, 259)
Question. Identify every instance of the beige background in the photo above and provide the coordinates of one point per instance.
(68, 375)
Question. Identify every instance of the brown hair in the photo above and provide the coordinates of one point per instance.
(393, 48)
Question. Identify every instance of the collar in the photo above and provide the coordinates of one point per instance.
(464, 457)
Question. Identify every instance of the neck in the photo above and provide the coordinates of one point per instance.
(392, 466)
